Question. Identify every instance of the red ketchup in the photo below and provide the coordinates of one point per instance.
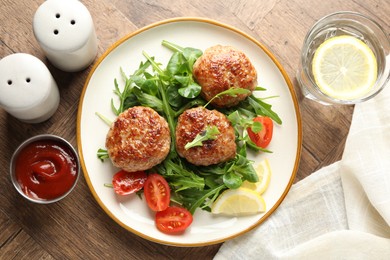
(46, 169)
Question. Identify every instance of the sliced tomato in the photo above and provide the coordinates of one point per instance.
(157, 192)
(173, 219)
(262, 138)
(125, 183)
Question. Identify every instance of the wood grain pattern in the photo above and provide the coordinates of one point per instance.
(77, 228)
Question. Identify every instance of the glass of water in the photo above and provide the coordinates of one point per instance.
(336, 39)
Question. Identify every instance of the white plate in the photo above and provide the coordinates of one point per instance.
(131, 212)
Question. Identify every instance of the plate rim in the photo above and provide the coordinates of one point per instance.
(230, 28)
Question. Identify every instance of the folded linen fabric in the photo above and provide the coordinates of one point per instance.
(342, 211)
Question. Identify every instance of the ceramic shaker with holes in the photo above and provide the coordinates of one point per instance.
(28, 91)
(66, 33)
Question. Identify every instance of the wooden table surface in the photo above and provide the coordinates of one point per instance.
(76, 227)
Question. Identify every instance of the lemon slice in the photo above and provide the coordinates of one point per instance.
(344, 67)
(263, 171)
(238, 202)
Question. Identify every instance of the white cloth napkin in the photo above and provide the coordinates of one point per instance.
(341, 211)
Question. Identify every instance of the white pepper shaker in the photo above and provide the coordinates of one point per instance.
(66, 34)
(28, 91)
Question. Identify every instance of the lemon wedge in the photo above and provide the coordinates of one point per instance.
(344, 67)
(263, 171)
(238, 202)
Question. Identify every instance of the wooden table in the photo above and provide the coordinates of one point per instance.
(77, 227)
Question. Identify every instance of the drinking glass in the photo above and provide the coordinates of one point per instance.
(337, 24)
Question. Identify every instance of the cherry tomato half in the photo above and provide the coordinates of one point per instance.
(157, 192)
(173, 219)
(125, 183)
(262, 138)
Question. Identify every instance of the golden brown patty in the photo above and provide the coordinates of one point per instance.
(138, 139)
(221, 68)
(194, 121)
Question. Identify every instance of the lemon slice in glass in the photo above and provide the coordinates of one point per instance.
(344, 67)
(238, 202)
(263, 171)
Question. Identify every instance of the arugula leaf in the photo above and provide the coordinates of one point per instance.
(253, 146)
(232, 180)
(258, 88)
(123, 95)
(190, 54)
(178, 176)
(172, 46)
(244, 167)
(175, 64)
(231, 173)
(180, 69)
(105, 119)
(262, 108)
(168, 111)
(174, 98)
(148, 100)
(210, 133)
(193, 199)
(256, 127)
(192, 90)
(192, 103)
(209, 196)
(231, 92)
(102, 154)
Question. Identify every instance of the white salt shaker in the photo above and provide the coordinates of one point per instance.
(66, 34)
(28, 91)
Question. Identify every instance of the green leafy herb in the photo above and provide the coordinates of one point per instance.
(232, 173)
(180, 69)
(262, 108)
(105, 119)
(180, 175)
(210, 133)
(231, 92)
(102, 154)
(193, 199)
(127, 90)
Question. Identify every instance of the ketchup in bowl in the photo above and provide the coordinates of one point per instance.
(45, 168)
